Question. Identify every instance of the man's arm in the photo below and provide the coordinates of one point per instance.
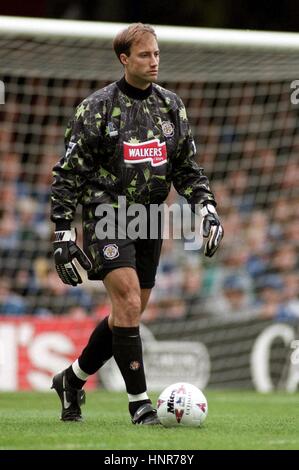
(70, 174)
(188, 178)
(71, 171)
(191, 182)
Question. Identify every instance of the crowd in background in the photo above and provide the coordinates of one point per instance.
(251, 158)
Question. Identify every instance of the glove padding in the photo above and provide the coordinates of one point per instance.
(211, 229)
(65, 251)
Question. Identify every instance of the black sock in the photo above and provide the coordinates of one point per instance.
(127, 351)
(98, 349)
(72, 379)
(134, 405)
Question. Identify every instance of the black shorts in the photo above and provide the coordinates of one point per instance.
(111, 253)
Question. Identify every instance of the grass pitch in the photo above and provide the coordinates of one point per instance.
(236, 420)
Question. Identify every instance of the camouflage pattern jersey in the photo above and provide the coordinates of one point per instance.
(128, 142)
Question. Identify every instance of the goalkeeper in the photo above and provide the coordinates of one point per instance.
(132, 139)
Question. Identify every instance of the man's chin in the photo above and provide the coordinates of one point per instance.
(152, 77)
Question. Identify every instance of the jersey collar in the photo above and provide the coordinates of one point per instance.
(133, 92)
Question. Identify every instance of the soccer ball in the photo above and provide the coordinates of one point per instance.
(182, 404)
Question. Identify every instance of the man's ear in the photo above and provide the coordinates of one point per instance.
(123, 58)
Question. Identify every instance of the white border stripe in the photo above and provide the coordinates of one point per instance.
(203, 37)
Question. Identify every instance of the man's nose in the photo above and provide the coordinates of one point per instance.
(154, 60)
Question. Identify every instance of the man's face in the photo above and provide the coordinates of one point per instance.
(141, 66)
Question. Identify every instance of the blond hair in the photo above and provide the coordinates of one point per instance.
(124, 39)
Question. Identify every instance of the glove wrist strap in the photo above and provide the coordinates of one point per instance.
(208, 209)
(65, 235)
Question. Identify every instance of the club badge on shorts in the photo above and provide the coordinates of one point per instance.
(167, 128)
(110, 251)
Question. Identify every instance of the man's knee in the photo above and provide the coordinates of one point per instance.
(131, 303)
(125, 294)
(126, 304)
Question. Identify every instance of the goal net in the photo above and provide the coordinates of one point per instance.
(239, 89)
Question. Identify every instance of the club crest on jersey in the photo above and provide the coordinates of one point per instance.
(150, 151)
(168, 128)
(110, 251)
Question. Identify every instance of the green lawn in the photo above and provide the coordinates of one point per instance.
(237, 420)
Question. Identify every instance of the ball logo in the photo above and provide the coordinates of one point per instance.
(110, 251)
(181, 389)
(179, 415)
(160, 402)
(170, 402)
(182, 404)
(202, 406)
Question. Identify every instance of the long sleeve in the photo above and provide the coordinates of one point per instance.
(188, 178)
(71, 172)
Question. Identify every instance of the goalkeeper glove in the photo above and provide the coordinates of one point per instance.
(211, 229)
(65, 251)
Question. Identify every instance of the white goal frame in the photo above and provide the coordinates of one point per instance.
(204, 37)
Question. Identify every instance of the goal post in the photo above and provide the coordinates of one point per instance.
(209, 53)
(240, 91)
(208, 37)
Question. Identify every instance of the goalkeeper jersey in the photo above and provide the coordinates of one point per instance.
(124, 141)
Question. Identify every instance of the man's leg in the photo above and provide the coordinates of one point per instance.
(98, 349)
(124, 290)
(145, 295)
(68, 383)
